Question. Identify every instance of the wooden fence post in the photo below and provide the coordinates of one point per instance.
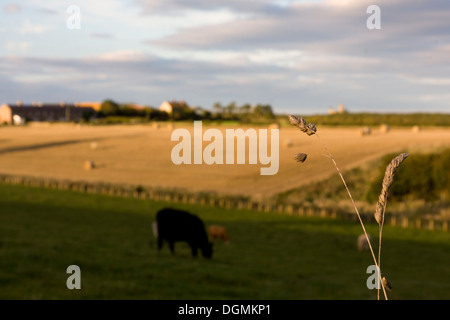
(405, 222)
(290, 209)
(393, 221)
(280, 209)
(202, 199)
(418, 223)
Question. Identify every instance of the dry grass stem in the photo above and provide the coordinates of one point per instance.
(356, 210)
(382, 202)
(310, 129)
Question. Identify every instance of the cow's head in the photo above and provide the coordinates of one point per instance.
(207, 250)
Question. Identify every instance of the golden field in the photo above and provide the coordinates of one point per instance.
(141, 155)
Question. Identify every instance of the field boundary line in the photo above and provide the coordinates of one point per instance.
(214, 200)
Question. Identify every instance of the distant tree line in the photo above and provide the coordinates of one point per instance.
(243, 113)
(375, 119)
(263, 113)
(110, 108)
(232, 111)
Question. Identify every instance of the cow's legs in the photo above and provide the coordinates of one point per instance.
(194, 251)
(160, 243)
(172, 247)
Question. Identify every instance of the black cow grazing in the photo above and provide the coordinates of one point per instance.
(177, 225)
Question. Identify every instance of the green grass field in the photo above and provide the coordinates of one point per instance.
(270, 256)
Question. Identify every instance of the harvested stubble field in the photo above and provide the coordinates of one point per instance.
(141, 155)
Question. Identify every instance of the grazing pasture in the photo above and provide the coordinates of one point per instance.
(271, 256)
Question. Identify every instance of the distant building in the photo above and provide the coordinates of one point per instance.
(176, 109)
(340, 109)
(19, 113)
(174, 106)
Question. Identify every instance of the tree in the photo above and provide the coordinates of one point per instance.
(245, 108)
(263, 111)
(217, 107)
(109, 108)
(258, 111)
(231, 108)
(206, 114)
(267, 111)
(87, 115)
(244, 112)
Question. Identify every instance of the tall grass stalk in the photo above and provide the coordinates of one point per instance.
(380, 235)
(380, 209)
(359, 216)
(310, 129)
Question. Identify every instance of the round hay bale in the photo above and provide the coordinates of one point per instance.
(384, 128)
(360, 132)
(287, 143)
(274, 126)
(416, 129)
(365, 131)
(89, 165)
(94, 145)
(362, 243)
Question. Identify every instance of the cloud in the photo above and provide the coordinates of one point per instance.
(30, 28)
(406, 26)
(296, 55)
(98, 35)
(12, 8)
(119, 56)
(147, 79)
(17, 46)
(329, 38)
(174, 6)
(48, 11)
(299, 27)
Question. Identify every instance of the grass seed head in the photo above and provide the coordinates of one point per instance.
(386, 283)
(387, 182)
(311, 129)
(300, 123)
(300, 157)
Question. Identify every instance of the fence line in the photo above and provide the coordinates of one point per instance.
(211, 199)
